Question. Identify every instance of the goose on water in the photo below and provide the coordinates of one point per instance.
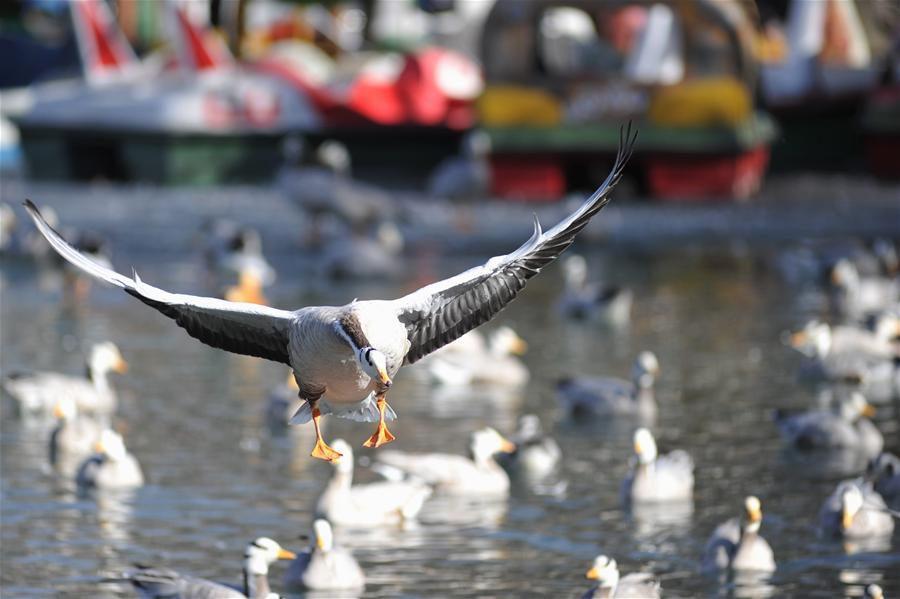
(325, 567)
(737, 545)
(345, 504)
(163, 583)
(855, 511)
(655, 478)
(638, 585)
(873, 591)
(111, 467)
(490, 361)
(582, 300)
(883, 472)
(604, 397)
(345, 357)
(855, 294)
(74, 437)
(537, 454)
(844, 426)
(37, 393)
(478, 476)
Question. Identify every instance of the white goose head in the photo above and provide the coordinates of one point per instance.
(505, 341)
(851, 504)
(106, 357)
(645, 446)
(65, 408)
(323, 536)
(752, 514)
(262, 553)
(645, 370)
(605, 571)
(813, 340)
(374, 363)
(487, 442)
(111, 446)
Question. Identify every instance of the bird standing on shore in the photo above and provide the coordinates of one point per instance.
(345, 357)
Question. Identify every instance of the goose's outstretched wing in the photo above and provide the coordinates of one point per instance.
(234, 326)
(437, 314)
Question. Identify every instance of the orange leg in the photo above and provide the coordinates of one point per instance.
(382, 435)
(322, 450)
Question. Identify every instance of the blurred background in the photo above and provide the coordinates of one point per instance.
(306, 153)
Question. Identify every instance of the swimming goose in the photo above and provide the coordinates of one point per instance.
(344, 357)
(844, 426)
(36, 393)
(453, 474)
(366, 252)
(111, 467)
(656, 478)
(465, 177)
(163, 583)
(345, 504)
(873, 591)
(854, 294)
(606, 397)
(73, 437)
(536, 454)
(481, 362)
(822, 340)
(235, 250)
(582, 300)
(605, 571)
(737, 545)
(883, 472)
(324, 567)
(855, 510)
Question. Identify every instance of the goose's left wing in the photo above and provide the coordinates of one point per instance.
(237, 327)
(441, 312)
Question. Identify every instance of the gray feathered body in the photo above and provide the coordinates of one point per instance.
(37, 393)
(668, 478)
(606, 397)
(872, 520)
(451, 474)
(728, 549)
(639, 585)
(103, 473)
(374, 504)
(325, 571)
(162, 583)
(823, 429)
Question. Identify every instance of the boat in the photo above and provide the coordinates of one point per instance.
(684, 72)
(202, 120)
(833, 57)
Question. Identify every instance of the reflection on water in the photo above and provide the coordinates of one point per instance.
(217, 477)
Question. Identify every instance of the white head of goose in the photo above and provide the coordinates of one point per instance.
(346, 356)
(645, 370)
(111, 467)
(873, 591)
(258, 556)
(610, 584)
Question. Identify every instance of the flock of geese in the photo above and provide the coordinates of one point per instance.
(344, 360)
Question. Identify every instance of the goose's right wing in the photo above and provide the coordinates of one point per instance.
(237, 327)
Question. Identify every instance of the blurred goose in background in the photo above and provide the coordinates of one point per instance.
(366, 252)
(466, 177)
(73, 438)
(163, 583)
(339, 369)
(583, 301)
(111, 467)
(324, 567)
(854, 294)
(593, 397)
(536, 454)
(282, 402)
(655, 478)
(822, 340)
(855, 510)
(375, 504)
(844, 426)
(478, 361)
(873, 591)
(605, 571)
(737, 545)
(36, 393)
(883, 471)
(235, 252)
(479, 475)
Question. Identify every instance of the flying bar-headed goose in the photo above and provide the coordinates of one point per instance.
(655, 478)
(325, 567)
(605, 571)
(37, 393)
(163, 583)
(458, 475)
(855, 511)
(602, 396)
(344, 357)
(111, 467)
(737, 545)
(375, 504)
